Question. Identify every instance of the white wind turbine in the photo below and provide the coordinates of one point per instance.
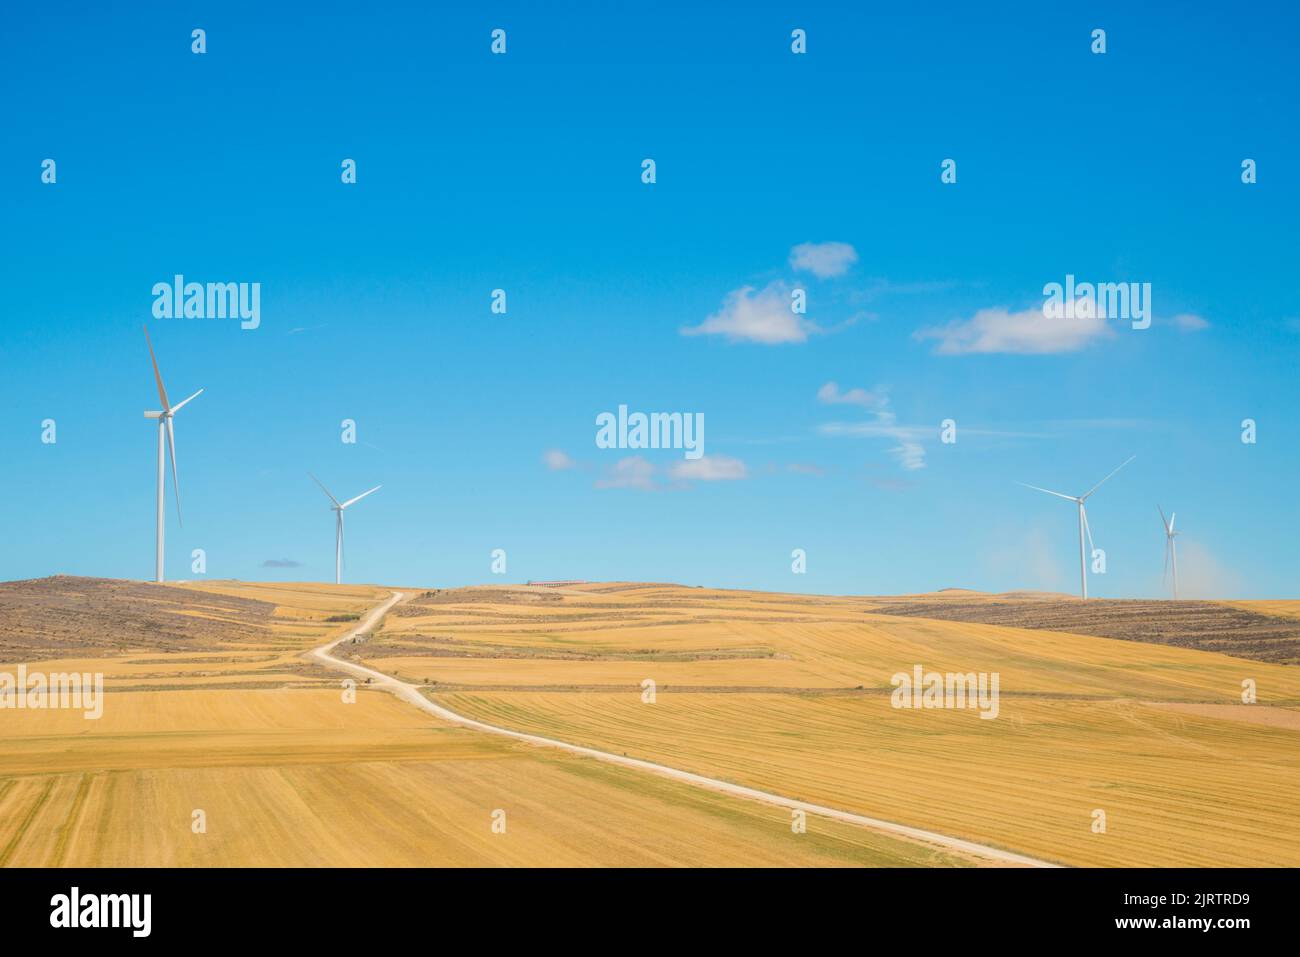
(1171, 547)
(338, 508)
(167, 436)
(1083, 520)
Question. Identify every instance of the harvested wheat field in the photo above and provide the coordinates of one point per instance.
(211, 710)
(211, 715)
(791, 694)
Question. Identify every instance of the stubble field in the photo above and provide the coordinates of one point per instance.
(211, 708)
(792, 694)
(225, 719)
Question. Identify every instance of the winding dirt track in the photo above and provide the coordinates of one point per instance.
(411, 693)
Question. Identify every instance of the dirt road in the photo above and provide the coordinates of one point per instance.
(411, 693)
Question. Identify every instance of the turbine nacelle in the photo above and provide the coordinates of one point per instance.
(337, 508)
(1171, 546)
(1084, 527)
(167, 439)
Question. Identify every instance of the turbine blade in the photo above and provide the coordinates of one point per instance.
(324, 489)
(1165, 576)
(1172, 516)
(181, 404)
(1163, 519)
(162, 392)
(1108, 477)
(1087, 528)
(360, 497)
(1068, 498)
(176, 482)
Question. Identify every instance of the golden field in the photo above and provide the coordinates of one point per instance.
(286, 773)
(211, 706)
(791, 694)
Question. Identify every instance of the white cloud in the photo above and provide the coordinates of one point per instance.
(631, 472)
(831, 395)
(558, 461)
(823, 260)
(640, 473)
(1028, 332)
(909, 451)
(749, 316)
(708, 468)
(1190, 322)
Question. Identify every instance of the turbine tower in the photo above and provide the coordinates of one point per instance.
(338, 508)
(166, 436)
(1171, 547)
(1083, 520)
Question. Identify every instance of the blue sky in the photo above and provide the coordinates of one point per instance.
(523, 172)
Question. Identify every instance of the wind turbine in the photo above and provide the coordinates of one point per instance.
(1171, 547)
(338, 508)
(1083, 520)
(167, 436)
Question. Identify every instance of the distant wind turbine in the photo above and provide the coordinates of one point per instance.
(1171, 547)
(167, 436)
(1083, 520)
(338, 508)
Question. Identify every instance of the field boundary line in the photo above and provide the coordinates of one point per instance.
(412, 694)
(84, 783)
(26, 823)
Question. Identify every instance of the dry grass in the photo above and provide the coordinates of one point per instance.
(84, 617)
(1177, 789)
(1151, 733)
(781, 692)
(287, 774)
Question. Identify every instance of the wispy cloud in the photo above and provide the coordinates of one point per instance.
(558, 461)
(281, 563)
(909, 452)
(873, 399)
(1028, 332)
(805, 468)
(638, 472)
(635, 471)
(762, 316)
(1189, 322)
(708, 468)
(823, 260)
